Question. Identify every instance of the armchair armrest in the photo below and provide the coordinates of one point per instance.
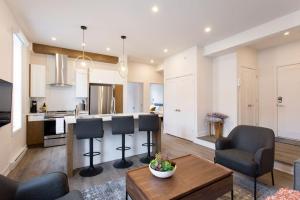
(47, 187)
(297, 175)
(223, 143)
(264, 157)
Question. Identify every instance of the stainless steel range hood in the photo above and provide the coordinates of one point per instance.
(61, 71)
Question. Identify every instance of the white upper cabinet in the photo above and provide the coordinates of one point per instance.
(184, 63)
(37, 80)
(81, 83)
(105, 76)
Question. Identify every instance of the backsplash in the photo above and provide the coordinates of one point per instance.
(59, 98)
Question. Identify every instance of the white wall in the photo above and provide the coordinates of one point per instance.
(146, 74)
(204, 91)
(225, 97)
(11, 145)
(268, 60)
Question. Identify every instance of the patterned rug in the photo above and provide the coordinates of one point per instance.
(115, 190)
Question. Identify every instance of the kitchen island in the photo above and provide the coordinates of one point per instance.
(108, 144)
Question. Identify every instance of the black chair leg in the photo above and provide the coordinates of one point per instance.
(148, 158)
(254, 188)
(91, 170)
(123, 163)
(232, 194)
(272, 174)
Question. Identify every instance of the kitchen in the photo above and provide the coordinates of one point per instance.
(48, 93)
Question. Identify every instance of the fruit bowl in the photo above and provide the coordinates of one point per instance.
(160, 174)
(162, 167)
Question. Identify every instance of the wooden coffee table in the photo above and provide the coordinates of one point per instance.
(195, 178)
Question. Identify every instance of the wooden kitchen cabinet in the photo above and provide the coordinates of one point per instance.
(118, 93)
(35, 133)
(37, 80)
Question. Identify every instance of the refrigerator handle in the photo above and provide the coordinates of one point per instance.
(113, 106)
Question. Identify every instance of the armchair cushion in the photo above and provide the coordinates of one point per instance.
(47, 187)
(223, 143)
(241, 161)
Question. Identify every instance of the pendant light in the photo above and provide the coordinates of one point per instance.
(123, 70)
(83, 61)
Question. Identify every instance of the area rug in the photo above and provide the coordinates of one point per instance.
(115, 190)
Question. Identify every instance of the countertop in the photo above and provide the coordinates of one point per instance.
(105, 117)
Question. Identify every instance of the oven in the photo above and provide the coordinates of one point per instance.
(54, 132)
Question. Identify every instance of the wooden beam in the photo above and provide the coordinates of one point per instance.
(51, 50)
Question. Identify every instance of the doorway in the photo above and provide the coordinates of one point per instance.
(134, 97)
(157, 96)
(288, 104)
(248, 97)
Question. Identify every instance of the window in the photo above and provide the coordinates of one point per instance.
(17, 83)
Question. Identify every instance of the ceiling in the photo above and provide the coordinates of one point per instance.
(277, 39)
(178, 25)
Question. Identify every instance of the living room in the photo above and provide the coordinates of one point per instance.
(123, 100)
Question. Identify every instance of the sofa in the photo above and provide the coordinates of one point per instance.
(48, 187)
(249, 150)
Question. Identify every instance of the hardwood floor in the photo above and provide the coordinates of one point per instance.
(39, 161)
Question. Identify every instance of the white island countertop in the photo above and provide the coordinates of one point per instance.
(105, 117)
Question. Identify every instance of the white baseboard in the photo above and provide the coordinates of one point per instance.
(289, 169)
(204, 143)
(14, 162)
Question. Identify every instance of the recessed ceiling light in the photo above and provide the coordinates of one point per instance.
(207, 29)
(107, 49)
(155, 9)
(286, 33)
(166, 50)
(83, 44)
(152, 61)
(53, 38)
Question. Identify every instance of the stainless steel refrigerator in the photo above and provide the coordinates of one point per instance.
(101, 99)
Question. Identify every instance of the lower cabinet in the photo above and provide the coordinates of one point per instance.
(35, 133)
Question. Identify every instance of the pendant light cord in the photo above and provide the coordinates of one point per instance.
(83, 43)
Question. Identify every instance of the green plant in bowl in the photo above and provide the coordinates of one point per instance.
(162, 164)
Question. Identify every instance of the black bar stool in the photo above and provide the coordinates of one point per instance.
(122, 125)
(90, 129)
(148, 123)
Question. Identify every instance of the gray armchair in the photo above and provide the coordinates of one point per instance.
(249, 150)
(48, 187)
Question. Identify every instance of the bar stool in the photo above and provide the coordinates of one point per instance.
(148, 123)
(122, 125)
(90, 129)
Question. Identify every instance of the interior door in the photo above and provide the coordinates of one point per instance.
(170, 114)
(248, 97)
(288, 104)
(186, 107)
(135, 97)
(180, 111)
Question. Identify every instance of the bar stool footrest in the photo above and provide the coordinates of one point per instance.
(150, 144)
(95, 153)
(126, 148)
